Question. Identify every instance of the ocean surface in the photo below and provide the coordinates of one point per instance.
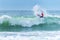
(24, 25)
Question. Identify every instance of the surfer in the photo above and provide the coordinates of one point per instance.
(41, 16)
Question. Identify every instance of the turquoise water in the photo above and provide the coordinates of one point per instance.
(24, 20)
(24, 25)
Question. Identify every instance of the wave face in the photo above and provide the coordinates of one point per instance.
(10, 23)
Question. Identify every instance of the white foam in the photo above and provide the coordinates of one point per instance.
(4, 17)
(57, 16)
(26, 21)
(37, 35)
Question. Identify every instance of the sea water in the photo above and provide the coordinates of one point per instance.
(23, 25)
(33, 35)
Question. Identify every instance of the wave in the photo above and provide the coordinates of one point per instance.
(29, 21)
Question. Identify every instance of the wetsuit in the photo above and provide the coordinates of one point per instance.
(42, 15)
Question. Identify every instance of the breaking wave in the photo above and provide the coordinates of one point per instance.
(29, 21)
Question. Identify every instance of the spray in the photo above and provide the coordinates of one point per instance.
(37, 9)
